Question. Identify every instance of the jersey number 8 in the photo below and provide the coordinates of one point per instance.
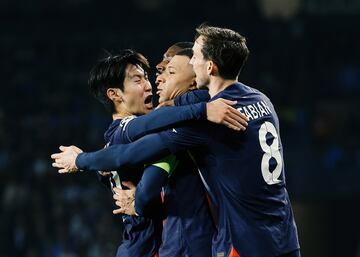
(270, 151)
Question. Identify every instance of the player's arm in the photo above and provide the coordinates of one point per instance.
(145, 201)
(218, 111)
(148, 189)
(147, 149)
(162, 119)
(192, 97)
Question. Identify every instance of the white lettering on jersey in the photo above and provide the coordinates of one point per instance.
(255, 111)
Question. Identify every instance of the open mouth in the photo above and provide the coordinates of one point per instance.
(148, 102)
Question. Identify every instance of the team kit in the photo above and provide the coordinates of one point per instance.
(200, 175)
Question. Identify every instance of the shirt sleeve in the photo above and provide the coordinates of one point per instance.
(167, 164)
(192, 97)
(148, 190)
(161, 119)
(148, 149)
(184, 138)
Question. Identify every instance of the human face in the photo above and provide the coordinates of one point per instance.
(137, 96)
(200, 65)
(178, 77)
(160, 67)
(166, 58)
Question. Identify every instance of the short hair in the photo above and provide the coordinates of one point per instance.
(225, 47)
(183, 45)
(185, 52)
(109, 72)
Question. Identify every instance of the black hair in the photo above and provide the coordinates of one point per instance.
(185, 52)
(109, 72)
(184, 45)
(225, 47)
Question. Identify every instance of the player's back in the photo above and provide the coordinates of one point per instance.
(141, 236)
(244, 175)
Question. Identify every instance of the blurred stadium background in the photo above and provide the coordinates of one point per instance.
(304, 55)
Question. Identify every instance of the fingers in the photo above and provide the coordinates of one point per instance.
(56, 155)
(118, 211)
(119, 196)
(230, 125)
(63, 148)
(238, 118)
(117, 190)
(57, 165)
(228, 102)
(233, 124)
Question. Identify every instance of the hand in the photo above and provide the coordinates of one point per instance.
(125, 199)
(166, 103)
(221, 111)
(65, 160)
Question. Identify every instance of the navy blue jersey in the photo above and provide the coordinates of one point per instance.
(141, 236)
(244, 176)
(188, 228)
(243, 173)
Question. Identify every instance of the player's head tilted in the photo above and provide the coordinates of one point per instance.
(218, 52)
(168, 55)
(120, 82)
(178, 77)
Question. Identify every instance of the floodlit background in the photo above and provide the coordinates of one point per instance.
(304, 55)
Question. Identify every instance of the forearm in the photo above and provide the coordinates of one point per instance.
(147, 195)
(192, 97)
(164, 118)
(145, 150)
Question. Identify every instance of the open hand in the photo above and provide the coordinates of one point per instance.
(220, 111)
(125, 199)
(65, 160)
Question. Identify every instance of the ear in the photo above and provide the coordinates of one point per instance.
(114, 94)
(212, 68)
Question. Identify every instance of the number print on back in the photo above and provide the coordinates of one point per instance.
(270, 151)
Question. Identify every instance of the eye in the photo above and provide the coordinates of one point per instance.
(171, 72)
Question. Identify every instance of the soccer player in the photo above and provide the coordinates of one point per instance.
(188, 229)
(243, 172)
(169, 54)
(120, 83)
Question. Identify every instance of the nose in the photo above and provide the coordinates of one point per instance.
(148, 86)
(160, 80)
(191, 62)
(161, 66)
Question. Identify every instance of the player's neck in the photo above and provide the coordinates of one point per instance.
(120, 114)
(218, 84)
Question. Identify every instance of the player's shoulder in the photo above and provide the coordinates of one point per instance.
(125, 121)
